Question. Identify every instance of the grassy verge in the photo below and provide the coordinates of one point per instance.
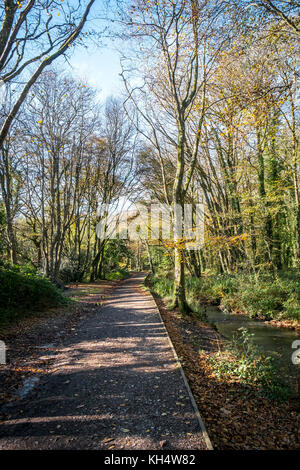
(23, 292)
(266, 296)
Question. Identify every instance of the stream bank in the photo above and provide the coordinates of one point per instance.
(236, 417)
(271, 340)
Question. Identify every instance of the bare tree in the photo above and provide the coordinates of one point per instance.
(36, 33)
(117, 167)
(178, 52)
(60, 121)
(285, 11)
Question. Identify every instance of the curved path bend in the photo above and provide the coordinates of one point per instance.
(115, 384)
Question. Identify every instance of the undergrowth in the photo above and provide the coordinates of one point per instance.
(266, 296)
(23, 291)
(243, 361)
(117, 275)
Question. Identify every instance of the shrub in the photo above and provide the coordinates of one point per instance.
(272, 298)
(23, 291)
(264, 296)
(291, 306)
(212, 287)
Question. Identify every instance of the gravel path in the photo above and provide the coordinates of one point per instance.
(115, 384)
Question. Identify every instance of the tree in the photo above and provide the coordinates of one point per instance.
(116, 171)
(10, 185)
(285, 11)
(176, 42)
(35, 33)
(60, 121)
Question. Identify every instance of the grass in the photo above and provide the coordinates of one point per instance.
(163, 287)
(266, 296)
(119, 274)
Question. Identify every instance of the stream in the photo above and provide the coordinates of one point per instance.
(272, 341)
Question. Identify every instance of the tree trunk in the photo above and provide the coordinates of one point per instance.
(179, 296)
(150, 257)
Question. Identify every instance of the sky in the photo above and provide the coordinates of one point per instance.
(100, 68)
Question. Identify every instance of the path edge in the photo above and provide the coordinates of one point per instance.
(194, 404)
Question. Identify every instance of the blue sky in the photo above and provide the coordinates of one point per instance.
(100, 67)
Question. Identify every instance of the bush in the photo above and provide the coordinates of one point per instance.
(23, 291)
(272, 298)
(264, 300)
(211, 287)
(69, 274)
(291, 305)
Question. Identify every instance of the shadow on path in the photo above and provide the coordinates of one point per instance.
(114, 384)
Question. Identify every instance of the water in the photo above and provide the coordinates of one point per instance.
(272, 341)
